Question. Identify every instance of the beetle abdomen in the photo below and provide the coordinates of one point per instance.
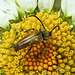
(27, 41)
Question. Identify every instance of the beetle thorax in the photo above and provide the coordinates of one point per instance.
(44, 34)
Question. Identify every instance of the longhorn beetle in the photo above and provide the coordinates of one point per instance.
(33, 38)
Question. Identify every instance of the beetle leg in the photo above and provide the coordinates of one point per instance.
(29, 29)
(25, 54)
(45, 47)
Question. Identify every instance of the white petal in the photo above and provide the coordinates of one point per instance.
(27, 5)
(13, 7)
(45, 5)
(68, 7)
(9, 8)
(63, 6)
(20, 3)
(4, 22)
(30, 5)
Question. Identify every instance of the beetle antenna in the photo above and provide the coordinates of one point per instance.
(38, 19)
(50, 33)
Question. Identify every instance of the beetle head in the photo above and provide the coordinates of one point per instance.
(15, 47)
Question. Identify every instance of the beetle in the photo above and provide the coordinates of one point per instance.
(33, 38)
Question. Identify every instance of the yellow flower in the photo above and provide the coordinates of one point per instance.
(58, 44)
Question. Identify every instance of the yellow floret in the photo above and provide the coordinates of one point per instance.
(6, 37)
(49, 73)
(60, 50)
(55, 16)
(4, 62)
(7, 73)
(40, 14)
(62, 65)
(71, 52)
(62, 29)
(65, 60)
(67, 67)
(5, 56)
(1, 71)
(6, 33)
(62, 70)
(67, 73)
(73, 46)
(43, 18)
(34, 25)
(7, 45)
(54, 73)
(13, 26)
(73, 40)
(71, 62)
(73, 57)
(44, 72)
(69, 37)
(64, 34)
(1, 65)
(73, 69)
(47, 22)
(64, 39)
